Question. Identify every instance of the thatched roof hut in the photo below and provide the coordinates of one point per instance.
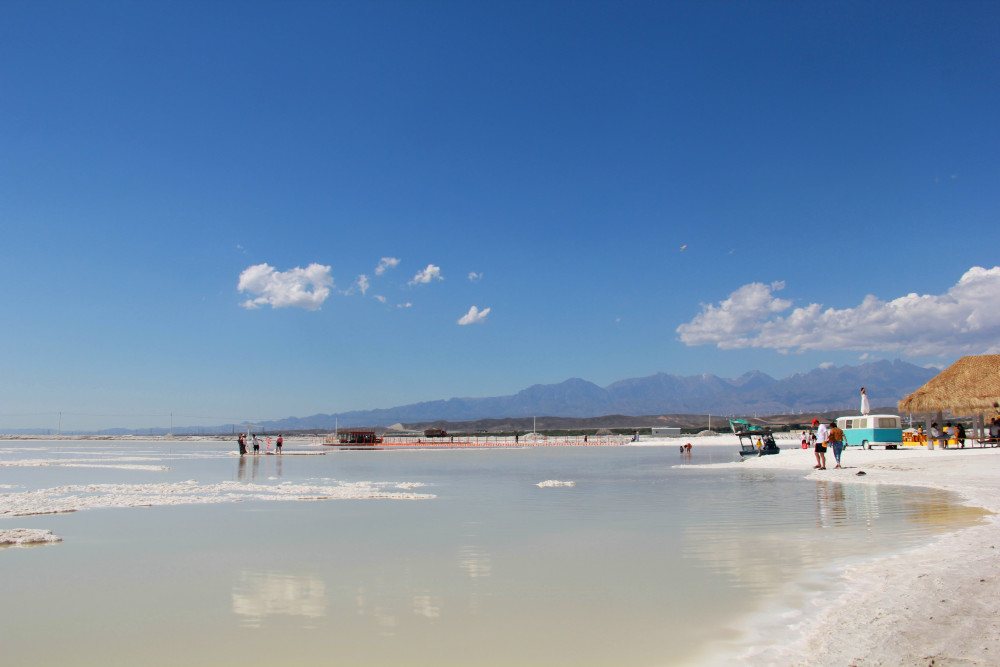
(969, 386)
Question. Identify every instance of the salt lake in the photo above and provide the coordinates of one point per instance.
(443, 557)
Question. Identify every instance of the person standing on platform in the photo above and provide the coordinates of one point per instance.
(865, 407)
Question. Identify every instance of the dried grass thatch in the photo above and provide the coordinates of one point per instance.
(969, 386)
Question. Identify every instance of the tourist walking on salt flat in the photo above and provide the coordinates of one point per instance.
(836, 440)
(822, 434)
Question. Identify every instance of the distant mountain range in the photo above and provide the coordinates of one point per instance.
(819, 390)
(661, 398)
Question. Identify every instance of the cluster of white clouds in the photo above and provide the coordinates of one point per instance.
(428, 275)
(308, 288)
(386, 263)
(964, 320)
(301, 288)
(474, 316)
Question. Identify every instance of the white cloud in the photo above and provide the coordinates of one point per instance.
(280, 289)
(475, 277)
(826, 364)
(964, 320)
(474, 316)
(362, 284)
(386, 263)
(742, 314)
(381, 298)
(404, 305)
(427, 275)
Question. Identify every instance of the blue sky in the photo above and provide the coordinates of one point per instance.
(249, 210)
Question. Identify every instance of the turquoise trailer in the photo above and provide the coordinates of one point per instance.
(872, 431)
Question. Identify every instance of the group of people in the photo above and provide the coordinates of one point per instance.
(951, 431)
(825, 435)
(242, 441)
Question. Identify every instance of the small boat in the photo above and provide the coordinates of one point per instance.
(754, 440)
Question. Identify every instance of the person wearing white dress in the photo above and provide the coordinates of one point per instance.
(865, 408)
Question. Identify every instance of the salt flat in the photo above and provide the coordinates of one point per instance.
(939, 602)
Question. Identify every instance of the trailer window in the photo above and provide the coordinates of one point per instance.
(848, 423)
(887, 422)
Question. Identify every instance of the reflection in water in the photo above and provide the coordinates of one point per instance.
(373, 605)
(839, 505)
(385, 605)
(428, 606)
(842, 515)
(250, 468)
(475, 561)
(258, 594)
(830, 508)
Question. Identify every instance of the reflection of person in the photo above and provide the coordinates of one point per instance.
(822, 435)
(836, 440)
(865, 408)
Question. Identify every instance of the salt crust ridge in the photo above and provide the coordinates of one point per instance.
(19, 537)
(92, 496)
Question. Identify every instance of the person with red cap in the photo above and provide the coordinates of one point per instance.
(821, 436)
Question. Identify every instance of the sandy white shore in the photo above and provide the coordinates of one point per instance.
(938, 604)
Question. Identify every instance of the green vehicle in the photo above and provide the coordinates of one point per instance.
(754, 440)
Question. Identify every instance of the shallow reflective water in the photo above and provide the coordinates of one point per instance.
(639, 563)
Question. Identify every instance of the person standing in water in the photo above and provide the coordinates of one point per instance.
(256, 444)
(243, 444)
(277, 444)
